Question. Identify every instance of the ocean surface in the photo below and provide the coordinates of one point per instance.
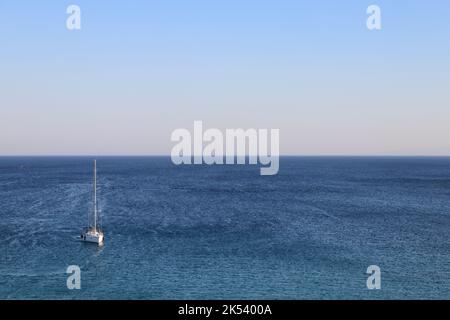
(225, 232)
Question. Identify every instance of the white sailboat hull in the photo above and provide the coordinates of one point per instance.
(92, 236)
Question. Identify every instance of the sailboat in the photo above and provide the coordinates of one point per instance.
(93, 233)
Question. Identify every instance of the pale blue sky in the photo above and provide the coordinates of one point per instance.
(137, 70)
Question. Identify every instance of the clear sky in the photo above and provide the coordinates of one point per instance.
(137, 70)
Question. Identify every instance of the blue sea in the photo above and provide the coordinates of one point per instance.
(225, 232)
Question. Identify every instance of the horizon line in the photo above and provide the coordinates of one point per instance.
(281, 155)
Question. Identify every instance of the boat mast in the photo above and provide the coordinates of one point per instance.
(95, 195)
